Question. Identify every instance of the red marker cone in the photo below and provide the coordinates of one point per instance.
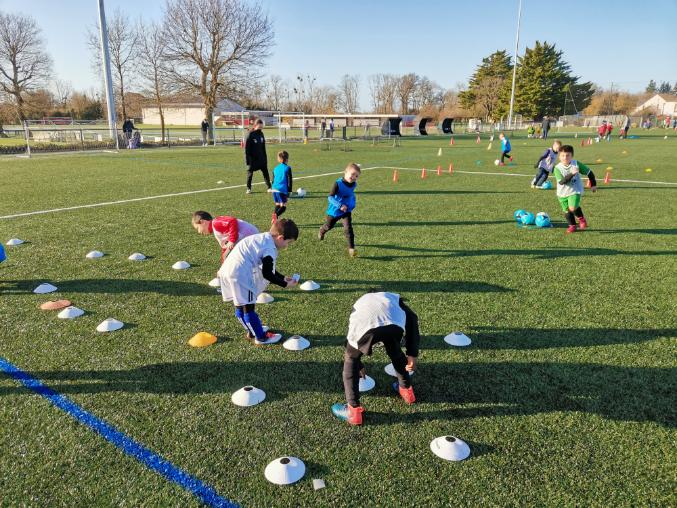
(396, 176)
(451, 141)
(242, 143)
(582, 142)
(439, 170)
(423, 173)
(451, 168)
(478, 139)
(607, 177)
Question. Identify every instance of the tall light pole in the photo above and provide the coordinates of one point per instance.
(514, 68)
(108, 81)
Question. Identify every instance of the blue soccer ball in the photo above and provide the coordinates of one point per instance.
(547, 185)
(518, 215)
(528, 219)
(542, 220)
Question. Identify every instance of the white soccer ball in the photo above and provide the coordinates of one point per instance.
(301, 193)
(497, 162)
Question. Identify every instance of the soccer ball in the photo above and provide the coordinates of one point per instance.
(497, 162)
(301, 193)
(546, 185)
(542, 220)
(518, 215)
(528, 219)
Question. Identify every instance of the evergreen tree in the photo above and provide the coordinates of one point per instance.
(651, 87)
(674, 88)
(543, 79)
(665, 87)
(487, 87)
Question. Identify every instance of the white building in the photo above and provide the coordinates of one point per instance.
(190, 112)
(661, 104)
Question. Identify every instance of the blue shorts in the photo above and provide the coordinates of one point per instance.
(2, 253)
(278, 197)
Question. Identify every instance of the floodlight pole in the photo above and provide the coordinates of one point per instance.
(108, 81)
(514, 67)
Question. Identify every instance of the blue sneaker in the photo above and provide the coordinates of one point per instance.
(347, 413)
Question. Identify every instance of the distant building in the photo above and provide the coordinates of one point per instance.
(660, 104)
(186, 111)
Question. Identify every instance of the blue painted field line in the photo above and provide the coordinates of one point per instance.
(147, 457)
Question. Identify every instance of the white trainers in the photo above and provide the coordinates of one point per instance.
(249, 191)
(271, 338)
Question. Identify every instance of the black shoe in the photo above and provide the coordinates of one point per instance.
(320, 235)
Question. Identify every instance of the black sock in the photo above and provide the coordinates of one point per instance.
(579, 213)
(279, 210)
(570, 218)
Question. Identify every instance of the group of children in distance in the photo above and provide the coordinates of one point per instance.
(248, 265)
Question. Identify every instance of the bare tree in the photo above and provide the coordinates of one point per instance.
(405, 90)
(154, 68)
(383, 89)
(24, 64)
(62, 90)
(488, 95)
(349, 93)
(216, 46)
(275, 92)
(123, 37)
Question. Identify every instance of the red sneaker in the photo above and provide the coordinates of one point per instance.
(501, 163)
(571, 229)
(582, 223)
(355, 415)
(511, 158)
(407, 394)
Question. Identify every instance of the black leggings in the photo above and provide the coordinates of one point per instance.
(330, 222)
(390, 336)
(505, 154)
(250, 174)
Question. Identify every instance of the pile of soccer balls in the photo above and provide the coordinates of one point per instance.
(541, 219)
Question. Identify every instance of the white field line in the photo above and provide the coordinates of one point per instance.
(160, 196)
(518, 174)
(241, 186)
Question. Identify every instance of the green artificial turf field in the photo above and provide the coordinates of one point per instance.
(566, 395)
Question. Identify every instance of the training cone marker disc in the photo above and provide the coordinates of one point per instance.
(44, 288)
(366, 383)
(180, 265)
(265, 298)
(137, 256)
(296, 343)
(450, 448)
(215, 283)
(390, 370)
(94, 254)
(309, 285)
(457, 339)
(55, 305)
(285, 470)
(70, 313)
(14, 241)
(248, 396)
(109, 325)
(202, 339)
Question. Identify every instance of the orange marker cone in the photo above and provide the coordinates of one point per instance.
(423, 173)
(607, 177)
(478, 139)
(396, 176)
(439, 170)
(242, 143)
(451, 168)
(582, 143)
(451, 141)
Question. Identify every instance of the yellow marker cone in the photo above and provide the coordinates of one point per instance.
(202, 339)
(648, 170)
(599, 160)
(305, 141)
(489, 147)
(439, 152)
(624, 152)
(609, 168)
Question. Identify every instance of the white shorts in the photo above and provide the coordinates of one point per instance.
(242, 290)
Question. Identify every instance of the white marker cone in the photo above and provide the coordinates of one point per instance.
(296, 343)
(70, 313)
(180, 265)
(137, 256)
(367, 383)
(450, 448)
(309, 285)
(248, 396)
(44, 288)
(265, 298)
(14, 241)
(215, 283)
(457, 339)
(390, 370)
(109, 325)
(94, 254)
(439, 152)
(285, 470)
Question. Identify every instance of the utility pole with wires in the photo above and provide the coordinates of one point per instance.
(108, 81)
(514, 67)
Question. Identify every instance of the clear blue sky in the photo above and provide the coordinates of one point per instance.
(622, 42)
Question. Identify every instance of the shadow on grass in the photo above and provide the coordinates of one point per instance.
(165, 287)
(533, 338)
(472, 389)
(432, 191)
(410, 286)
(668, 231)
(413, 224)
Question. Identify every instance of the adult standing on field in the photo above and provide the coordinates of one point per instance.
(204, 128)
(255, 155)
(546, 126)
